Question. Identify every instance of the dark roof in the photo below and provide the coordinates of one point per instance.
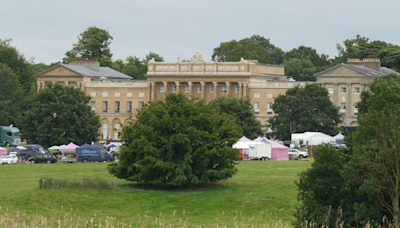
(103, 71)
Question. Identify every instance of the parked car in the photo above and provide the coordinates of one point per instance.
(31, 151)
(92, 153)
(48, 158)
(9, 159)
(302, 154)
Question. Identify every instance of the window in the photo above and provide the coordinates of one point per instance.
(161, 89)
(211, 89)
(173, 89)
(141, 104)
(9, 133)
(105, 106)
(343, 109)
(129, 107)
(198, 89)
(223, 89)
(116, 126)
(116, 107)
(186, 89)
(236, 89)
(355, 110)
(357, 90)
(256, 108)
(105, 130)
(93, 105)
(343, 90)
(330, 90)
(269, 108)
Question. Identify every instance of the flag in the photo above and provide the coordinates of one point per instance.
(11, 125)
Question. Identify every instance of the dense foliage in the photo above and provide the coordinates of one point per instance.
(11, 96)
(177, 141)
(135, 67)
(304, 109)
(94, 43)
(60, 115)
(255, 47)
(242, 110)
(299, 69)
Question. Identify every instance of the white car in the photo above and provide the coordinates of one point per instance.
(9, 159)
(302, 154)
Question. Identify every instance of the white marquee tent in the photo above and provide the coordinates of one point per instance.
(313, 138)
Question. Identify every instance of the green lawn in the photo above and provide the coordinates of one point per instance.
(261, 194)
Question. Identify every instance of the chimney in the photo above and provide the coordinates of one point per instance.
(371, 63)
(91, 63)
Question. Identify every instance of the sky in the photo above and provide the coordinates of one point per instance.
(46, 29)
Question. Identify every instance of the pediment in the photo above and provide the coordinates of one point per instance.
(340, 71)
(58, 70)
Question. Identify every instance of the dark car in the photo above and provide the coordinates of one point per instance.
(93, 154)
(31, 151)
(48, 158)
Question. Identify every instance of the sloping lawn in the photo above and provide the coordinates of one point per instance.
(261, 194)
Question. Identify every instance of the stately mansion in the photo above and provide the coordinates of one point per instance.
(116, 95)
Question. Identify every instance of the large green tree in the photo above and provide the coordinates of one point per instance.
(177, 141)
(309, 53)
(135, 67)
(60, 115)
(11, 96)
(21, 66)
(255, 47)
(94, 43)
(242, 110)
(304, 109)
(299, 69)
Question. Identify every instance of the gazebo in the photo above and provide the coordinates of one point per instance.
(279, 152)
(68, 148)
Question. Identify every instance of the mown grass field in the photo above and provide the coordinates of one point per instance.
(262, 194)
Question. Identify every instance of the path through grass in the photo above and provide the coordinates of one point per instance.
(261, 193)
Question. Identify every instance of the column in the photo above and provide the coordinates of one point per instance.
(153, 88)
(178, 85)
(366, 86)
(245, 89)
(66, 83)
(39, 85)
(215, 89)
(362, 87)
(335, 94)
(148, 91)
(228, 88)
(190, 88)
(349, 104)
(203, 90)
(165, 88)
(240, 90)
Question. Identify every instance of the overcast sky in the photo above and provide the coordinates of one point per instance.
(46, 29)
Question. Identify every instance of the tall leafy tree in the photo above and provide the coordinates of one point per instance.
(304, 109)
(11, 96)
(242, 111)
(308, 53)
(177, 141)
(255, 47)
(60, 115)
(94, 43)
(135, 67)
(300, 69)
(21, 66)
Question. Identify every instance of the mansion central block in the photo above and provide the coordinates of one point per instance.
(116, 95)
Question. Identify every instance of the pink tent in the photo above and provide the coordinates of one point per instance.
(70, 147)
(278, 152)
(244, 139)
(3, 152)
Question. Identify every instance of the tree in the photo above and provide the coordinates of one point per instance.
(363, 105)
(134, 67)
(19, 65)
(93, 44)
(39, 67)
(300, 69)
(255, 47)
(242, 110)
(177, 141)
(304, 109)
(308, 53)
(60, 115)
(377, 141)
(11, 96)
